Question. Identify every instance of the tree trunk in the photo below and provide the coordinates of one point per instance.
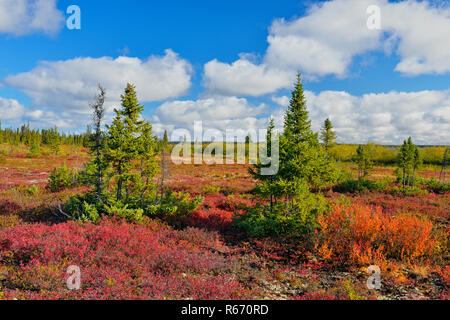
(99, 172)
(444, 165)
(119, 182)
(271, 196)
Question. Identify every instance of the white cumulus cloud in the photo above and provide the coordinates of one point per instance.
(243, 77)
(281, 101)
(20, 17)
(326, 40)
(10, 109)
(384, 117)
(423, 34)
(216, 112)
(67, 87)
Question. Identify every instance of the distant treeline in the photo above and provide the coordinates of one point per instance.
(53, 138)
(386, 154)
(380, 154)
(41, 141)
(27, 136)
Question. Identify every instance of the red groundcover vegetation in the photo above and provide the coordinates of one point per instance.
(205, 256)
(117, 260)
(217, 212)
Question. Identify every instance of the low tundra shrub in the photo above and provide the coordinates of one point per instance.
(217, 211)
(32, 190)
(173, 207)
(365, 235)
(210, 189)
(296, 219)
(358, 185)
(61, 179)
(434, 185)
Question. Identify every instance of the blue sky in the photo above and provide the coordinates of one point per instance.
(231, 64)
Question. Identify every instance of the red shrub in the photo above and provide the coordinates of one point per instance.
(315, 296)
(117, 260)
(8, 206)
(217, 212)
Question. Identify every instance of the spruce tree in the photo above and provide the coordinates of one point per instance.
(96, 140)
(405, 160)
(165, 139)
(164, 161)
(129, 138)
(297, 126)
(54, 140)
(255, 171)
(149, 165)
(364, 161)
(417, 163)
(327, 135)
(408, 160)
(301, 156)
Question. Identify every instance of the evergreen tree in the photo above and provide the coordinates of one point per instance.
(149, 164)
(363, 160)
(255, 171)
(417, 163)
(96, 144)
(301, 156)
(408, 161)
(124, 157)
(164, 161)
(126, 141)
(297, 126)
(88, 136)
(302, 162)
(165, 139)
(54, 140)
(327, 135)
(35, 149)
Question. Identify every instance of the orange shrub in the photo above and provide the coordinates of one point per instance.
(366, 235)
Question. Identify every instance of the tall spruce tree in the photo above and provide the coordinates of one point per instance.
(124, 140)
(96, 140)
(301, 156)
(297, 126)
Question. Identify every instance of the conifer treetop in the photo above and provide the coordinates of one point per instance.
(297, 125)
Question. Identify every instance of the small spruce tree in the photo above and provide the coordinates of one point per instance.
(364, 161)
(328, 136)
